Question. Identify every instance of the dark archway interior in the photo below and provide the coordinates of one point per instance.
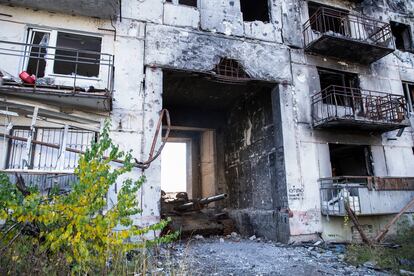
(232, 127)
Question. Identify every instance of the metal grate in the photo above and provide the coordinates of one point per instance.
(230, 70)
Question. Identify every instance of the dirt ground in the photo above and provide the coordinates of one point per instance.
(233, 255)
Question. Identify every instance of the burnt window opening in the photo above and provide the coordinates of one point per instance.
(409, 95)
(339, 88)
(332, 19)
(230, 70)
(257, 10)
(82, 57)
(191, 3)
(36, 64)
(350, 160)
(402, 36)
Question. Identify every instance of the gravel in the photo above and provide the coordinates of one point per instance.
(233, 255)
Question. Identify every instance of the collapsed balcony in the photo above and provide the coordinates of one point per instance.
(355, 38)
(57, 75)
(344, 107)
(102, 9)
(365, 195)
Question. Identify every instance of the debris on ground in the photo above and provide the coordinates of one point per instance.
(235, 255)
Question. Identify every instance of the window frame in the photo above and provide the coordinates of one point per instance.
(345, 83)
(409, 97)
(410, 37)
(344, 18)
(50, 63)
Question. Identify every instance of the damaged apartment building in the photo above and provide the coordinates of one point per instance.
(291, 108)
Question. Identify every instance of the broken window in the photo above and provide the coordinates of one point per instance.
(36, 63)
(43, 157)
(257, 10)
(84, 61)
(331, 19)
(350, 160)
(191, 3)
(409, 95)
(402, 36)
(339, 88)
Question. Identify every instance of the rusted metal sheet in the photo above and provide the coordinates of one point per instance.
(394, 183)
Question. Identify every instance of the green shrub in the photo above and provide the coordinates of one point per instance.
(75, 230)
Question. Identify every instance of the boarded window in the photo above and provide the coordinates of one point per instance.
(402, 36)
(81, 57)
(255, 10)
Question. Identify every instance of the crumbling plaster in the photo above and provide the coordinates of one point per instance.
(199, 52)
(93, 8)
(306, 150)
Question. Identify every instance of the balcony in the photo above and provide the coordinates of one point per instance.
(84, 79)
(43, 181)
(365, 195)
(335, 33)
(101, 9)
(343, 107)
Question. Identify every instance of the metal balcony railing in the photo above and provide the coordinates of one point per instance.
(41, 57)
(341, 24)
(344, 104)
(43, 181)
(366, 195)
(336, 191)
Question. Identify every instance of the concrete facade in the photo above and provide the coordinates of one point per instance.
(266, 153)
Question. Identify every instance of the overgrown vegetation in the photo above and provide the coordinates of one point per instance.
(73, 232)
(400, 257)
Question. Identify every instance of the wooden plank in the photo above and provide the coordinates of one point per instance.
(354, 219)
(381, 235)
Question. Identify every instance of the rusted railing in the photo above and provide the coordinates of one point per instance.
(42, 61)
(329, 21)
(344, 103)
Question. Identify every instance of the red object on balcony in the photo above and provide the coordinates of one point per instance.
(25, 77)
